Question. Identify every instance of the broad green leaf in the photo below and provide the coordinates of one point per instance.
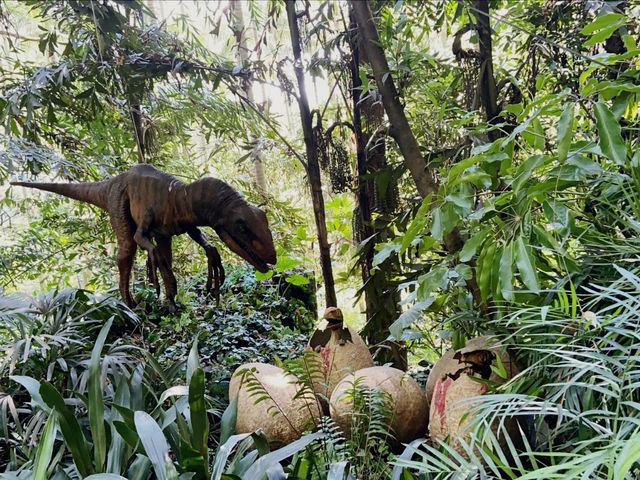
(95, 404)
(117, 455)
(263, 276)
(525, 170)
(45, 448)
(69, 427)
(471, 246)
(445, 220)
(474, 175)
(534, 134)
(33, 387)
(385, 250)
(565, 131)
(127, 433)
(506, 272)
(610, 138)
(297, 279)
(417, 224)
(176, 391)
(286, 263)
(484, 269)
(602, 28)
(603, 21)
(431, 281)
(463, 200)
(526, 265)
(407, 317)
(155, 446)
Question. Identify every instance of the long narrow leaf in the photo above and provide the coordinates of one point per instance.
(95, 405)
(228, 421)
(155, 445)
(565, 131)
(223, 454)
(45, 449)
(260, 467)
(105, 476)
(193, 361)
(628, 457)
(407, 454)
(70, 428)
(198, 412)
(610, 137)
(526, 265)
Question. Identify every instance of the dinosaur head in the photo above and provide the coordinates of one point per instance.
(245, 230)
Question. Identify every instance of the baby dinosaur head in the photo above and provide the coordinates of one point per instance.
(245, 230)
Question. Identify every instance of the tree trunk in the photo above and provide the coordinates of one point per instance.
(381, 296)
(138, 130)
(313, 168)
(486, 80)
(424, 177)
(239, 31)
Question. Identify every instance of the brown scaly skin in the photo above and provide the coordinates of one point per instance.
(146, 205)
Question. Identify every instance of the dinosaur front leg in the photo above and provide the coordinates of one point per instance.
(215, 269)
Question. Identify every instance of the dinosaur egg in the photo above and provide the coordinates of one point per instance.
(281, 416)
(457, 377)
(337, 355)
(407, 403)
(448, 365)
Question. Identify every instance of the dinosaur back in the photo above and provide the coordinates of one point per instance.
(94, 193)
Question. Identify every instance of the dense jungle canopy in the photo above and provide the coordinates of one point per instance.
(438, 170)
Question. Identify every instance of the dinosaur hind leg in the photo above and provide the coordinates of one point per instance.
(126, 255)
(124, 228)
(164, 261)
(152, 275)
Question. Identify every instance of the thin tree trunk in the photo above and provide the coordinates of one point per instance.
(381, 297)
(486, 80)
(313, 168)
(138, 130)
(239, 31)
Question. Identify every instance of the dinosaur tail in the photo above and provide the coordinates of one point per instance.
(90, 192)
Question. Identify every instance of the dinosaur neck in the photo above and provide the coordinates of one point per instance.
(210, 199)
(90, 192)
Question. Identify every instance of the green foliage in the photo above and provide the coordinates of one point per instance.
(118, 411)
(253, 323)
(543, 200)
(577, 391)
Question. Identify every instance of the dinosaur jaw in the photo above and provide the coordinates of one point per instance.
(244, 251)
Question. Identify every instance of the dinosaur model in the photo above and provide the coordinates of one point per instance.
(147, 207)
